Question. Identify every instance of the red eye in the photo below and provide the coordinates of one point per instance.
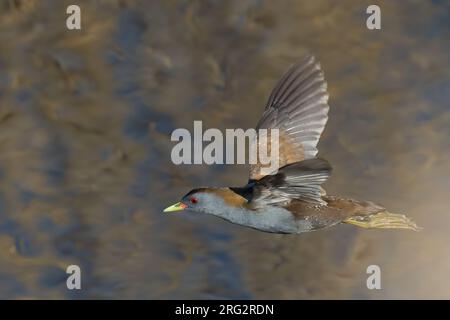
(194, 200)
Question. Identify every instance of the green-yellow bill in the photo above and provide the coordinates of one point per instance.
(176, 207)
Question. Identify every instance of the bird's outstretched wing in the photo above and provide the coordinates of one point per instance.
(300, 180)
(297, 107)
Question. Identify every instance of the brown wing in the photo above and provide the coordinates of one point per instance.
(300, 180)
(297, 107)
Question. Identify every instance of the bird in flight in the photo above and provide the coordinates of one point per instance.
(291, 199)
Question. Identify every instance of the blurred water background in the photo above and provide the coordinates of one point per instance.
(85, 124)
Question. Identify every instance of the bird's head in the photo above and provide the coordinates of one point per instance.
(199, 200)
(207, 200)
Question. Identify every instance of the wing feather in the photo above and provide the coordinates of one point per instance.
(301, 181)
(298, 107)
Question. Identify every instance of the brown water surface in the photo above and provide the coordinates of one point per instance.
(85, 168)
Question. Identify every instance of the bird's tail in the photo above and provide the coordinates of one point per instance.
(383, 220)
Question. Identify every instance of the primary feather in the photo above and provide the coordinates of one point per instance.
(298, 107)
